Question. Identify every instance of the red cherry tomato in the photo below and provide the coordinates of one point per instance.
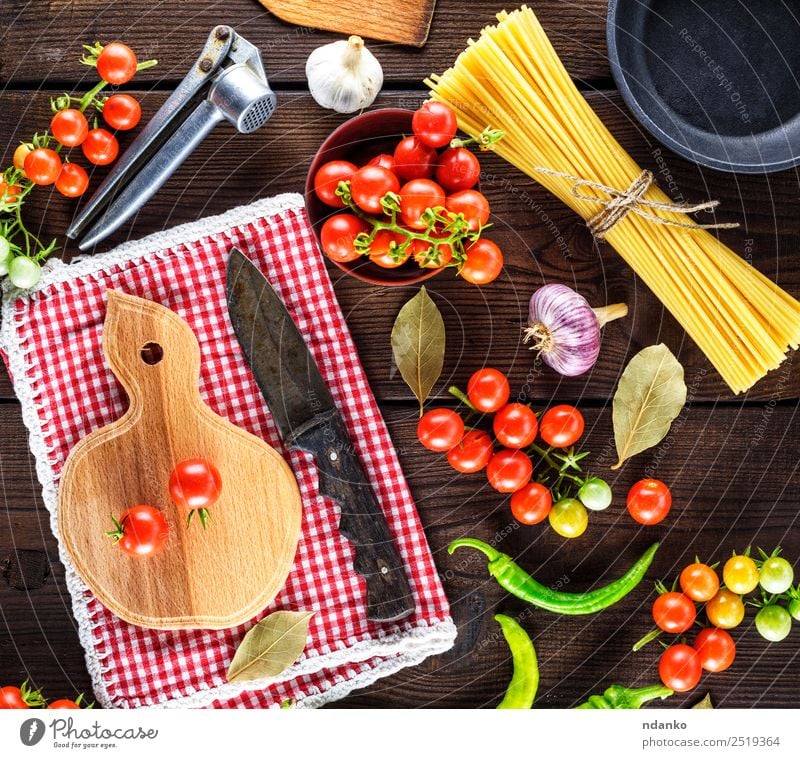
(515, 425)
(472, 205)
(532, 504)
(679, 668)
(42, 166)
(383, 250)
(649, 501)
(561, 426)
(122, 112)
(100, 147)
(370, 184)
(699, 582)
(428, 255)
(8, 191)
(384, 160)
(715, 649)
(434, 124)
(338, 235)
(327, 179)
(458, 169)
(141, 532)
(413, 159)
(509, 470)
(117, 63)
(11, 698)
(416, 197)
(69, 127)
(63, 705)
(195, 483)
(673, 612)
(488, 390)
(484, 262)
(440, 430)
(73, 180)
(473, 453)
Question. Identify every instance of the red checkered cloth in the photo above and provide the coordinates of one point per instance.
(51, 337)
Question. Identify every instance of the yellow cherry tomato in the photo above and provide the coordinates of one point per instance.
(569, 518)
(20, 154)
(740, 574)
(725, 610)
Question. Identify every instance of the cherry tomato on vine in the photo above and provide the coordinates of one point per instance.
(327, 179)
(8, 191)
(473, 453)
(42, 166)
(141, 532)
(100, 147)
(699, 582)
(416, 197)
(440, 430)
(434, 124)
(428, 255)
(561, 426)
(472, 205)
(679, 668)
(673, 612)
(715, 649)
(774, 623)
(488, 390)
(338, 235)
(370, 184)
(725, 610)
(122, 112)
(24, 272)
(776, 575)
(595, 494)
(17, 698)
(381, 252)
(20, 154)
(484, 262)
(69, 127)
(515, 425)
(384, 160)
(509, 470)
(569, 518)
(63, 704)
(458, 169)
(649, 501)
(413, 159)
(117, 63)
(73, 180)
(740, 574)
(531, 504)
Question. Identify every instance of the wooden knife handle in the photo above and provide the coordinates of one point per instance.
(363, 523)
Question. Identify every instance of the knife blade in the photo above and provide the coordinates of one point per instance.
(307, 419)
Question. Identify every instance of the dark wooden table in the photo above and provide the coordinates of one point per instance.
(731, 461)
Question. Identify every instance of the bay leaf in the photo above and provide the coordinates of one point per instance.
(650, 395)
(704, 703)
(418, 340)
(271, 646)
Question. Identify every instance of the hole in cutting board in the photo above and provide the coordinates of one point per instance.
(152, 353)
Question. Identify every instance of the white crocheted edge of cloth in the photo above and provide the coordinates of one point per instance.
(398, 650)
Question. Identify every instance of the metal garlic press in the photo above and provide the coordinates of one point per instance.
(227, 83)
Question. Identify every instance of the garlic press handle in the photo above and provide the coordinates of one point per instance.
(214, 53)
(155, 173)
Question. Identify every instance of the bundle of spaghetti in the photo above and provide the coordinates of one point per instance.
(512, 79)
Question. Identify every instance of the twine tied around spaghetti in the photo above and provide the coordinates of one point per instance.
(620, 203)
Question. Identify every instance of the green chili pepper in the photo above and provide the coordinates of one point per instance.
(522, 585)
(619, 697)
(525, 680)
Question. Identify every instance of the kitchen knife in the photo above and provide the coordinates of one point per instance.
(307, 419)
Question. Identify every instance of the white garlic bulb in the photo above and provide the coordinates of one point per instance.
(344, 76)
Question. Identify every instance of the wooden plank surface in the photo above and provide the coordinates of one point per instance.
(717, 508)
(542, 239)
(732, 463)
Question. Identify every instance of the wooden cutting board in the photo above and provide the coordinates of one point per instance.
(407, 23)
(213, 578)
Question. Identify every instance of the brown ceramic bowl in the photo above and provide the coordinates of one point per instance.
(358, 140)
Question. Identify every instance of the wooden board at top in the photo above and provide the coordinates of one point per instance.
(408, 24)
